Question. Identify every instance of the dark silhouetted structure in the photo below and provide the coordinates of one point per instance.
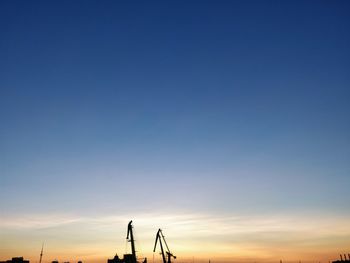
(41, 253)
(160, 237)
(15, 260)
(343, 260)
(128, 258)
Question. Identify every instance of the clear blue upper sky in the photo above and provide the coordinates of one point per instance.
(216, 106)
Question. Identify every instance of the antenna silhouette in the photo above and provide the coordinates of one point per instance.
(41, 253)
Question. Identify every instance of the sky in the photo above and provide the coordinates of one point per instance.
(225, 123)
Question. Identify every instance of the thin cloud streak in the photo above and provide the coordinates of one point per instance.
(231, 236)
(201, 224)
(189, 226)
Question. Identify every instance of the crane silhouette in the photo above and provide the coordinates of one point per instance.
(160, 237)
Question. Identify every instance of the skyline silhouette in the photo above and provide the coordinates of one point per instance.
(224, 123)
(132, 257)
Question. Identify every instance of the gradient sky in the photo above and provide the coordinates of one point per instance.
(224, 122)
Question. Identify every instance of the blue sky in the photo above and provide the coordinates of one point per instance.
(208, 107)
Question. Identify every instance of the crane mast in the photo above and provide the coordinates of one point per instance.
(161, 237)
(161, 245)
(133, 251)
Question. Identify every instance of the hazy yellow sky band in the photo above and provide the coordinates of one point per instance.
(197, 237)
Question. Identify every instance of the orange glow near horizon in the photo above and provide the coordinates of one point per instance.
(224, 123)
(190, 237)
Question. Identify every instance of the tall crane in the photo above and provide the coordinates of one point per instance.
(160, 237)
(133, 251)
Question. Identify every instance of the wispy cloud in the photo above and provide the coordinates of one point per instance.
(37, 221)
(181, 223)
(203, 234)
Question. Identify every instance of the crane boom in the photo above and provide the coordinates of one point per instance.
(133, 251)
(165, 241)
(160, 237)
